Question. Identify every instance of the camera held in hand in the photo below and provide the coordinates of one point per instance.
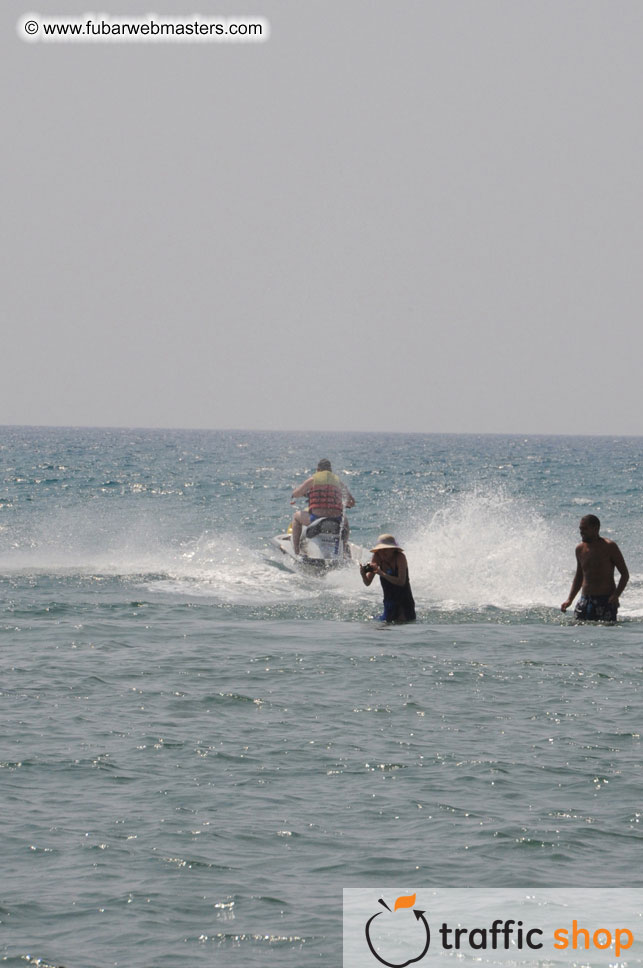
(367, 569)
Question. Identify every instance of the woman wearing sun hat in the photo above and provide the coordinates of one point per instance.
(389, 562)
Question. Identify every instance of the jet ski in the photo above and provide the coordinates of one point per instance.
(321, 548)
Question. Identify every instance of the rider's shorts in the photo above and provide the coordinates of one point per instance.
(315, 517)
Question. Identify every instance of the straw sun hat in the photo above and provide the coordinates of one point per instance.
(386, 541)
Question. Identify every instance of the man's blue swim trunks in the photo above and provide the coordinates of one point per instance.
(595, 608)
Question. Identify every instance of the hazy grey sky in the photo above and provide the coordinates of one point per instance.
(421, 215)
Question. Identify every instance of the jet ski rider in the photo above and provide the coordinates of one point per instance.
(327, 498)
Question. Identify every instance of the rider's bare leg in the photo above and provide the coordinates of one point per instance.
(345, 533)
(300, 518)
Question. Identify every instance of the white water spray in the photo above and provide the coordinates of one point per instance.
(488, 548)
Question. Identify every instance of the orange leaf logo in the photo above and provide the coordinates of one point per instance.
(407, 901)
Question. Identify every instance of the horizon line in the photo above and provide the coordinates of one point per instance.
(308, 431)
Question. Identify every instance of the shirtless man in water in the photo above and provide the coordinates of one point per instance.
(597, 558)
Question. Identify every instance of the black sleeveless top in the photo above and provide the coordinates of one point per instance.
(398, 599)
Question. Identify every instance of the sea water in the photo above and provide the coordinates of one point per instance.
(200, 749)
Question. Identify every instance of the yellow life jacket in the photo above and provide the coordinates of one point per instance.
(326, 493)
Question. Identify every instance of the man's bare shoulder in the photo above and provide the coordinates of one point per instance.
(613, 549)
(610, 546)
(604, 548)
(601, 544)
